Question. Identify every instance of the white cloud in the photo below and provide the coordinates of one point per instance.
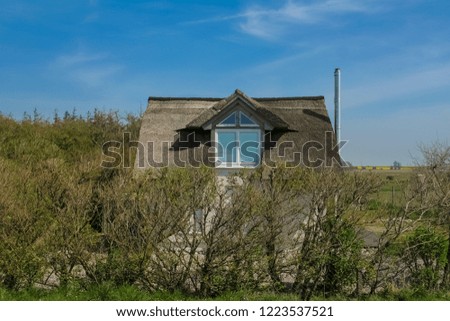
(89, 69)
(91, 17)
(78, 58)
(95, 76)
(269, 23)
(318, 10)
(18, 10)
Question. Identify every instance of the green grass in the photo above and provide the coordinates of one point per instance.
(108, 292)
(393, 186)
(103, 292)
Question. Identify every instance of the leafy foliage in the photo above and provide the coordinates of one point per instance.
(69, 224)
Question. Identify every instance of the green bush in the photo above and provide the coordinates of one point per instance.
(425, 256)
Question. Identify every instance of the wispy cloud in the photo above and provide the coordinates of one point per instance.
(89, 69)
(408, 84)
(18, 10)
(285, 62)
(92, 17)
(270, 22)
(77, 58)
(97, 76)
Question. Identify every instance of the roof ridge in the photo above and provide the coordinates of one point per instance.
(238, 94)
(290, 98)
(160, 98)
(163, 98)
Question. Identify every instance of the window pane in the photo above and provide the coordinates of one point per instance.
(229, 121)
(250, 148)
(246, 121)
(227, 146)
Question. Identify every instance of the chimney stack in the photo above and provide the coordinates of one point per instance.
(337, 104)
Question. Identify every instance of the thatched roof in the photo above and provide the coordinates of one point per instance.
(296, 119)
(252, 103)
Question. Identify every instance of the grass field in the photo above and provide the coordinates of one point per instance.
(108, 292)
(391, 193)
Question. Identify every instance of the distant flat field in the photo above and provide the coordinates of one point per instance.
(385, 168)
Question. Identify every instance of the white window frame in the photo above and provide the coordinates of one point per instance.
(238, 163)
(254, 125)
(237, 119)
(238, 124)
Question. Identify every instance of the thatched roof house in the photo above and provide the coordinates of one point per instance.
(237, 131)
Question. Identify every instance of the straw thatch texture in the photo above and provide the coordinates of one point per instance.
(178, 122)
(162, 119)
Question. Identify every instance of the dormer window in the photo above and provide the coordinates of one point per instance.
(237, 125)
(237, 119)
(238, 139)
(230, 121)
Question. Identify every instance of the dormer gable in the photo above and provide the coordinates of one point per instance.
(240, 103)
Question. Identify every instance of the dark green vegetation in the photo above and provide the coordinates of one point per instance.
(110, 292)
(71, 230)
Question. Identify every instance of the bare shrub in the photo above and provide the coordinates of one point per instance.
(22, 260)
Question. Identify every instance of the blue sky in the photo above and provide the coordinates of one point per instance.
(394, 56)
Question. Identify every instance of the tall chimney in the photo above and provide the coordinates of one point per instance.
(337, 104)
